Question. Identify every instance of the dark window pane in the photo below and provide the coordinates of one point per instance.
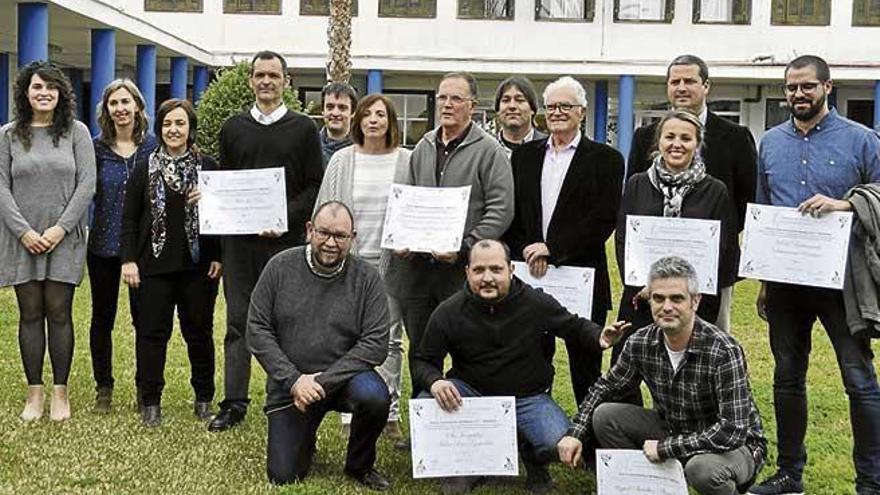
(564, 9)
(866, 12)
(775, 112)
(486, 9)
(173, 5)
(802, 12)
(408, 8)
(252, 6)
(722, 11)
(321, 7)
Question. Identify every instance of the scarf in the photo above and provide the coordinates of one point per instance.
(675, 186)
(180, 174)
(311, 262)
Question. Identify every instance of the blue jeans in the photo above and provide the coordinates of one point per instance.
(291, 443)
(540, 424)
(791, 311)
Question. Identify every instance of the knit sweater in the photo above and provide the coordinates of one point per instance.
(301, 323)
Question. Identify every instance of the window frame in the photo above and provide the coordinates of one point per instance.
(589, 13)
(200, 10)
(668, 15)
(865, 18)
(432, 15)
(511, 6)
(779, 17)
(354, 10)
(228, 12)
(742, 14)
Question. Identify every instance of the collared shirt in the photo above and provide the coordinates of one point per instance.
(556, 163)
(271, 118)
(704, 114)
(444, 150)
(834, 156)
(706, 405)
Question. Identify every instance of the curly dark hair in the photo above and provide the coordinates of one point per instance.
(62, 117)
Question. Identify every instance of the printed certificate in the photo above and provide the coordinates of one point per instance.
(629, 471)
(571, 286)
(425, 219)
(237, 202)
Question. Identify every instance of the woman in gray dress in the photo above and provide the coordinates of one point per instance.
(47, 180)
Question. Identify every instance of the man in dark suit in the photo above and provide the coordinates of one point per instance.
(728, 149)
(567, 192)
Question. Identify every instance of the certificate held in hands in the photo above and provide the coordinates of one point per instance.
(621, 472)
(425, 219)
(239, 202)
(571, 286)
(479, 439)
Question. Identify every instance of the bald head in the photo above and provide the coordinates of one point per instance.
(490, 244)
(332, 209)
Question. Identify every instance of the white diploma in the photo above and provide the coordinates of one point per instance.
(425, 219)
(630, 472)
(651, 238)
(571, 286)
(782, 245)
(479, 439)
(236, 202)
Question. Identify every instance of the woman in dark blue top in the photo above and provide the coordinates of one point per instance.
(124, 140)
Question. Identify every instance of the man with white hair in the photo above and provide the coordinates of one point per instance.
(566, 196)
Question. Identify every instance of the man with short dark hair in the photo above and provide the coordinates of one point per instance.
(728, 149)
(267, 135)
(493, 329)
(516, 104)
(338, 102)
(318, 324)
(703, 411)
(810, 162)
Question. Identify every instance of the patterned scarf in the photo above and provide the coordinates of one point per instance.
(675, 186)
(180, 174)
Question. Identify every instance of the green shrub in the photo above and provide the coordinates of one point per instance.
(230, 93)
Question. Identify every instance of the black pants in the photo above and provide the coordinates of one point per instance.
(104, 282)
(193, 293)
(243, 261)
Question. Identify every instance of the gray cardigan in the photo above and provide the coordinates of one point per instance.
(479, 161)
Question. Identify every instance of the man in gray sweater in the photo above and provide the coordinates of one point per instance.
(318, 324)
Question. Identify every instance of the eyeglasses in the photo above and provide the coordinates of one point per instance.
(323, 235)
(454, 99)
(561, 107)
(805, 87)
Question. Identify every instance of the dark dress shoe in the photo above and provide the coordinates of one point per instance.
(227, 418)
(371, 479)
(103, 400)
(151, 416)
(203, 411)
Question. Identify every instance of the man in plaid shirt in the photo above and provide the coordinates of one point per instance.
(703, 415)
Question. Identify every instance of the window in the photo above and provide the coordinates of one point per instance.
(722, 11)
(775, 112)
(726, 109)
(321, 7)
(415, 114)
(802, 12)
(485, 9)
(866, 13)
(643, 10)
(173, 5)
(565, 10)
(408, 8)
(861, 111)
(251, 6)
(311, 104)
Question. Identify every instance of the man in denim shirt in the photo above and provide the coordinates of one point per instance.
(810, 162)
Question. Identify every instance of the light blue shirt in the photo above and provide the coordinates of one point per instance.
(833, 157)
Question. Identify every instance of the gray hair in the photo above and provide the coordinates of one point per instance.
(675, 267)
(570, 83)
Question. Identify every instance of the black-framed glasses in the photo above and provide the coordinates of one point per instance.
(805, 87)
(323, 235)
(561, 107)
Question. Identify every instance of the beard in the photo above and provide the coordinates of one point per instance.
(809, 113)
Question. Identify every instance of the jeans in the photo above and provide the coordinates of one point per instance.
(791, 312)
(540, 424)
(291, 443)
(627, 426)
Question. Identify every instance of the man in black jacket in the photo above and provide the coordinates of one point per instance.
(728, 149)
(493, 328)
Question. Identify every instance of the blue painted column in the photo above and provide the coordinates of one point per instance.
(4, 88)
(877, 105)
(76, 82)
(178, 77)
(33, 32)
(600, 112)
(146, 77)
(201, 76)
(374, 81)
(626, 114)
(103, 70)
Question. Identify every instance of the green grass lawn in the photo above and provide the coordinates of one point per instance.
(114, 454)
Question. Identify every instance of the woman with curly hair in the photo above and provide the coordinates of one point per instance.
(124, 140)
(47, 180)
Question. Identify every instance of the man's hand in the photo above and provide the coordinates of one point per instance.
(761, 301)
(193, 196)
(820, 204)
(34, 242)
(306, 391)
(130, 274)
(270, 233)
(536, 256)
(570, 449)
(612, 333)
(53, 235)
(449, 257)
(403, 253)
(215, 270)
(650, 450)
(446, 395)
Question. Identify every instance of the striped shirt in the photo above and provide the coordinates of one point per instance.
(373, 174)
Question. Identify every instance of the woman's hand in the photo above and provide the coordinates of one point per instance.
(193, 196)
(34, 242)
(54, 235)
(215, 270)
(131, 275)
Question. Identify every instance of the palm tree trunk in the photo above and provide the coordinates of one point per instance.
(339, 42)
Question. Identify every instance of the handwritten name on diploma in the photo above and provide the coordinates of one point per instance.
(478, 439)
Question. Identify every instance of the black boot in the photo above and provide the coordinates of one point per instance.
(151, 416)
